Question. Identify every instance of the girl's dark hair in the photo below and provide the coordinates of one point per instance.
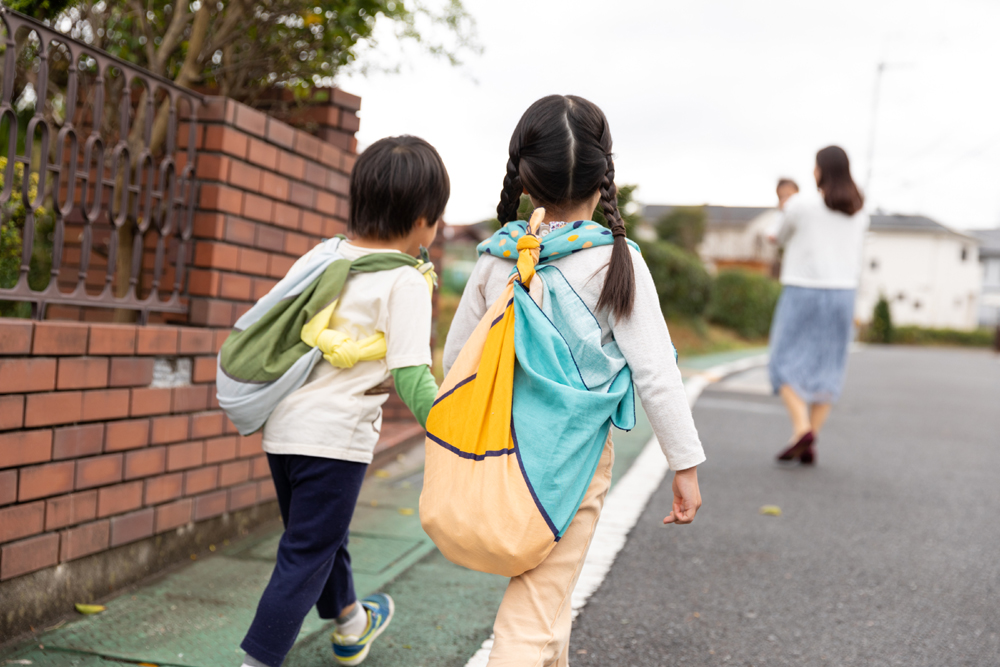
(560, 153)
(395, 181)
(840, 193)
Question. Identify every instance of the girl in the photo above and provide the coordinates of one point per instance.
(560, 156)
(823, 235)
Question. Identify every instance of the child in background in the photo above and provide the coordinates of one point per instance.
(560, 156)
(786, 188)
(319, 440)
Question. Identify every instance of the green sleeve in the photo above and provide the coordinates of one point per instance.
(416, 386)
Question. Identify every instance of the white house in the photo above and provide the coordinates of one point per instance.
(989, 260)
(929, 273)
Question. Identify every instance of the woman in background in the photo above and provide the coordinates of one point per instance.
(823, 237)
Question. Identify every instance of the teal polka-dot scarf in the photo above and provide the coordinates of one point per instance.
(561, 242)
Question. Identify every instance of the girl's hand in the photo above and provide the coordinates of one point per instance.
(687, 497)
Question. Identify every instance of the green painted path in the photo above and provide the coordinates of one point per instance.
(197, 614)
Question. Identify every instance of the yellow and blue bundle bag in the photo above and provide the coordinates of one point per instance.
(521, 420)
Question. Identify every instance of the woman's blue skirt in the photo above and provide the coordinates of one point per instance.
(810, 336)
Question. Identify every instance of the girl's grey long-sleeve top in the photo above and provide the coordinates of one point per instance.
(642, 338)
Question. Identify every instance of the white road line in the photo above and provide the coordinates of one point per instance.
(627, 500)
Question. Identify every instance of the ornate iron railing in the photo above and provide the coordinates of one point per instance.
(121, 200)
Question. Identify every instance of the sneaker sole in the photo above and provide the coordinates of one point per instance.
(360, 657)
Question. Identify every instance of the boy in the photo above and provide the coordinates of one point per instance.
(319, 440)
(786, 188)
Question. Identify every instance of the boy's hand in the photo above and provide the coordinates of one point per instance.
(687, 496)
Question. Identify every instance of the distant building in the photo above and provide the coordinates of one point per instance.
(735, 236)
(929, 273)
(989, 260)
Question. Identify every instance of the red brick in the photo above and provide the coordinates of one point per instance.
(226, 140)
(217, 109)
(105, 404)
(253, 261)
(327, 203)
(258, 208)
(303, 195)
(250, 120)
(331, 156)
(131, 527)
(296, 244)
(291, 165)
(127, 434)
(235, 286)
(157, 340)
(346, 100)
(220, 337)
(337, 182)
(8, 486)
(131, 372)
(23, 375)
(269, 237)
(82, 372)
(349, 121)
(49, 479)
(20, 521)
(274, 186)
(186, 455)
(207, 424)
(11, 412)
(210, 504)
(214, 255)
(173, 515)
(220, 449)
(211, 312)
(260, 467)
(72, 442)
(239, 310)
(169, 429)
(112, 339)
(145, 462)
(203, 369)
(84, 540)
(312, 223)
(201, 480)
(265, 490)
(218, 197)
(204, 283)
(191, 398)
(195, 341)
(70, 509)
(250, 445)
(60, 407)
(212, 167)
(98, 471)
(279, 266)
(240, 231)
(332, 227)
(348, 163)
(163, 488)
(119, 498)
(244, 176)
(262, 154)
(235, 472)
(60, 338)
(242, 496)
(261, 286)
(287, 216)
(29, 555)
(15, 337)
(150, 401)
(280, 133)
(209, 225)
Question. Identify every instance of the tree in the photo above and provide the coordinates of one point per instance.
(683, 226)
(880, 330)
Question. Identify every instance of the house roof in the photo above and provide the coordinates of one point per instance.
(990, 240)
(715, 216)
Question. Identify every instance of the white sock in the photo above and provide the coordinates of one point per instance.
(250, 661)
(353, 622)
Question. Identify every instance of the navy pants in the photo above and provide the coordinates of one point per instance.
(317, 498)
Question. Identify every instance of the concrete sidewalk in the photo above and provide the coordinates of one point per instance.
(196, 615)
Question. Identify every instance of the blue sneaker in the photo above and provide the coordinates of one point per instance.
(351, 649)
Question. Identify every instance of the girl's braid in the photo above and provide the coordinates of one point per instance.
(510, 196)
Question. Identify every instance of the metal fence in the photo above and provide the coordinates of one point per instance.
(98, 197)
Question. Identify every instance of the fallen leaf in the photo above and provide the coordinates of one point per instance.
(770, 510)
(406, 511)
(90, 608)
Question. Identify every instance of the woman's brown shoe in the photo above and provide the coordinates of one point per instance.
(808, 457)
(799, 448)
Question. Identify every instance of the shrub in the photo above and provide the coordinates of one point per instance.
(910, 335)
(744, 302)
(683, 226)
(880, 330)
(682, 283)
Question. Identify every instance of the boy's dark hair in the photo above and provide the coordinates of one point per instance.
(560, 153)
(395, 181)
(782, 182)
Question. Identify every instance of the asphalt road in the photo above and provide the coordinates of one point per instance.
(886, 553)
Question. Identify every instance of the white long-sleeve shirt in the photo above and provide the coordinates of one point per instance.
(823, 248)
(642, 338)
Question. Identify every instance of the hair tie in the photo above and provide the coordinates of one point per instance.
(618, 231)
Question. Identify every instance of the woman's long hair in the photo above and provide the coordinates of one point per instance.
(840, 193)
(560, 153)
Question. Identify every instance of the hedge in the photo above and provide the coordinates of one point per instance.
(682, 283)
(744, 301)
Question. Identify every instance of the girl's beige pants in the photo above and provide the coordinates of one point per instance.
(534, 621)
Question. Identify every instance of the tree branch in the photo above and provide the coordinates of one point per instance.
(146, 30)
(172, 38)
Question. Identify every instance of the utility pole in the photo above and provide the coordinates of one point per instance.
(879, 71)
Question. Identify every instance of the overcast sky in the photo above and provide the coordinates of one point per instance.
(711, 101)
